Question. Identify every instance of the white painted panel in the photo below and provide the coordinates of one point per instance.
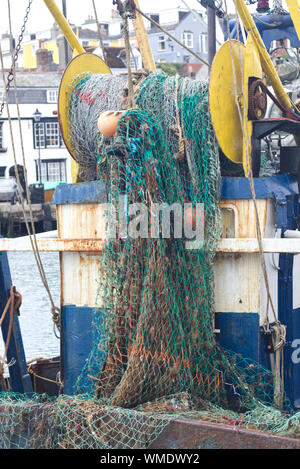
(81, 221)
(271, 261)
(80, 279)
(296, 282)
(80, 272)
(237, 283)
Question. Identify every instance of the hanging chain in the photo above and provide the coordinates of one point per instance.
(126, 10)
(10, 76)
(277, 7)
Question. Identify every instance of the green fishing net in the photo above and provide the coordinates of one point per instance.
(155, 355)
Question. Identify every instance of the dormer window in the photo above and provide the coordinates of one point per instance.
(52, 96)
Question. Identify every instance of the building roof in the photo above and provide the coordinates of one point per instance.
(85, 33)
(189, 68)
(33, 79)
(170, 26)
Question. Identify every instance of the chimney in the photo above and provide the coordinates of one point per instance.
(54, 31)
(43, 60)
(62, 52)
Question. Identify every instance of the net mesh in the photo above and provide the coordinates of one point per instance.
(155, 355)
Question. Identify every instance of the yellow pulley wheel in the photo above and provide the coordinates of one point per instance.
(226, 81)
(82, 63)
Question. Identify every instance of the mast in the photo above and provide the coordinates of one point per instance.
(211, 33)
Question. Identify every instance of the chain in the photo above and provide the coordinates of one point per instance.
(10, 76)
(277, 7)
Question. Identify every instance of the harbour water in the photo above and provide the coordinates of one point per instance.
(35, 313)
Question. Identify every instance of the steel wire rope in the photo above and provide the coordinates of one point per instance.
(246, 139)
(172, 37)
(99, 32)
(280, 329)
(32, 236)
(131, 100)
(15, 56)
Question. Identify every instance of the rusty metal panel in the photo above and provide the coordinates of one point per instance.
(188, 434)
(244, 216)
(81, 221)
(226, 245)
(239, 284)
(52, 245)
(80, 272)
(80, 276)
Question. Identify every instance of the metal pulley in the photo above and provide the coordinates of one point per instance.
(257, 100)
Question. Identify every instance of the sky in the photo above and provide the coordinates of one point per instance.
(77, 11)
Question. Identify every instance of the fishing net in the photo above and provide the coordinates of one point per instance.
(155, 354)
(89, 95)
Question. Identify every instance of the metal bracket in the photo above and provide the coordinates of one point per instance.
(126, 8)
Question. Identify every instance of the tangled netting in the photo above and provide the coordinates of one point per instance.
(88, 96)
(155, 355)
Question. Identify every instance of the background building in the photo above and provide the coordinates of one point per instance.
(47, 158)
(43, 58)
(189, 29)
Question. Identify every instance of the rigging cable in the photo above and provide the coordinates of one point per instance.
(279, 329)
(172, 37)
(99, 33)
(32, 236)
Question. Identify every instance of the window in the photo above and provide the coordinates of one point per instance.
(39, 135)
(52, 170)
(47, 135)
(188, 39)
(161, 43)
(2, 149)
(52, 96)
(203, 43)
(52, 134)
(104, 29)
(230, 220)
